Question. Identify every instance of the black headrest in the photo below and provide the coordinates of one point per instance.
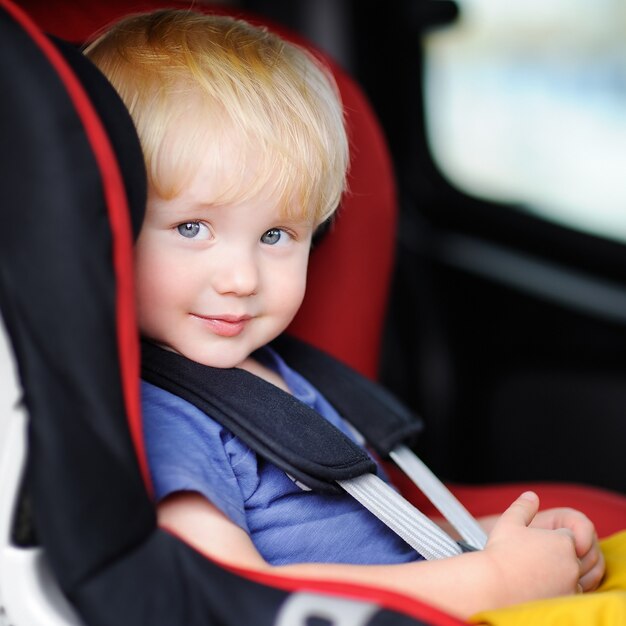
(118, 125)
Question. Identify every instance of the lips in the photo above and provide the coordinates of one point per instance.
(224, 325)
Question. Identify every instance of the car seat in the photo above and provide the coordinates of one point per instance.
(71, 415)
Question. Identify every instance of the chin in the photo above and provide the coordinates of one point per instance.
(214, 358)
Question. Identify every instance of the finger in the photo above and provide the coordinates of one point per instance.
(592, 578)
(569, 533)
(582, 527)
(586, 536)
(523, 510)
(590, 559)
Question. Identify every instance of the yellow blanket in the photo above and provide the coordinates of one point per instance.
(604, 607)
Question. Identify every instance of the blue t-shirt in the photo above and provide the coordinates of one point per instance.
(188, 451)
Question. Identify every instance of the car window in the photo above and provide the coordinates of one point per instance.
(526, 104)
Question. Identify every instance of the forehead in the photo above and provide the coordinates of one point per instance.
(216, 162)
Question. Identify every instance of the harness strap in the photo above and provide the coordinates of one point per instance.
(386, 425)
(441, 497)
(401, 516)
(306, 446)
(378, 415)
(273, 423)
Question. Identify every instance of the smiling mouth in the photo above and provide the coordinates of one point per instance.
(224, 325)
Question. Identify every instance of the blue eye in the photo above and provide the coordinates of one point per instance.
(193, 230)
(273, 236)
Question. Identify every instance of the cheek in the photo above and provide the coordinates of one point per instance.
(157, 282)
(300, 286)
(290, 288)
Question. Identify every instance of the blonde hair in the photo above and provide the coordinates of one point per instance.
(234, 87)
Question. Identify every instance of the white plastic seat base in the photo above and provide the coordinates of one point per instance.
(29, 594)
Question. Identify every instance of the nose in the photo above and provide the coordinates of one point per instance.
(236, 273)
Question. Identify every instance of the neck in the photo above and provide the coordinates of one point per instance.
(264, 372)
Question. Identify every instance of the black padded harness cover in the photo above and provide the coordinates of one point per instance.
(282, 429)
(378, 415)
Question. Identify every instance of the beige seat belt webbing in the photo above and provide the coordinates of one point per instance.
(401, 516)
(440, 496)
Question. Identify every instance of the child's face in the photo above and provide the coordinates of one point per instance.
(216, 282)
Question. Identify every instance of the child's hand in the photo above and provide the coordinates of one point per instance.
(585, 541)
(533, 563)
